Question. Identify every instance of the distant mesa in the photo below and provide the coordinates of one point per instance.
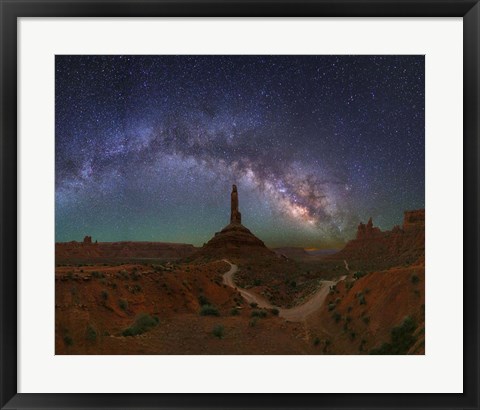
(89, 251)
(235, 239)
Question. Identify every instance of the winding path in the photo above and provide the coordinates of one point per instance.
(295, 314)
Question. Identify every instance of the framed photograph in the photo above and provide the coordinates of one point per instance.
(202, 202)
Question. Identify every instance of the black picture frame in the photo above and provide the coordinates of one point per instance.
(11, 10)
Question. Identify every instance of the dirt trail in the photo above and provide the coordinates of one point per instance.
(295, 314)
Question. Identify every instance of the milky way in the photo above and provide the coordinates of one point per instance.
(147, 147)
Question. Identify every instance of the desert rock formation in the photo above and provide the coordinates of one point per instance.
(235, 239)
(235, 215)
(375, 249)
(414, 220)
(87, 251)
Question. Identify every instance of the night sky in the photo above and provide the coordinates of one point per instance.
(148, 147)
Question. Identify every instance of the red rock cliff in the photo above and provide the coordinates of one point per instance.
(373, 249)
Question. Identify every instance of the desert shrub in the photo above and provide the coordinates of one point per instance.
(104, 295)
(253, 305)
(123, 304)
(257, 282)
(358, 275)
(253, 322)
(143, 323)
(316, 341)
(68, 341)
(352, 335)
(91, 333)
(415, 279)
(98, 275)
(234, 312)
(331, 306)
(293, 284)
(209, 310)
(202, 299)
(258, 313)
(366, 320)
(135, 276)
(137, 289)
(336, 316)
(274, 311)
(362, 300)
(349, 309)
(401, 339)
(218, 331)
(327, 343)
(348, 285)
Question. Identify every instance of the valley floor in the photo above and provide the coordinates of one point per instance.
(198, 308)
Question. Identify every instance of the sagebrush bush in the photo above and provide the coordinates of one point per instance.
(123, 304)
(218, 331)
(258, 313)
(91, 333)
(143, 323)
(336, 316)
(203, 300)
(401, 339)
(358, 275)
(209, 310)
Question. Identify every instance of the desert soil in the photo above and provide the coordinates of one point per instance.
(295, 314)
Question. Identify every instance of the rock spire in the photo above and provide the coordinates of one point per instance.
(235, 215)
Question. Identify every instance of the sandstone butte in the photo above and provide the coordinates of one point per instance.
(235, 239)
(376, 249)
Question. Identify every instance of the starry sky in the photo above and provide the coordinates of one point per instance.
(148, 147)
